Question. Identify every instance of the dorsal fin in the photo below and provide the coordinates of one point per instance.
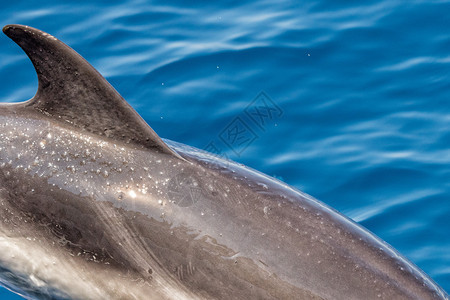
(71, 90)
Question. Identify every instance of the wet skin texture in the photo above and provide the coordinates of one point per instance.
(93, 204)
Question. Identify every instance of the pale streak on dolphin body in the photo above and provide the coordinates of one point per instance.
(93, 206)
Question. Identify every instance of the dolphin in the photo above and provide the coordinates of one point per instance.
(95, 205)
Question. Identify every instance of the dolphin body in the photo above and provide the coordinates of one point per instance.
(94, 205)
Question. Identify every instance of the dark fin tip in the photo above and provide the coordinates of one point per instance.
(7, 28)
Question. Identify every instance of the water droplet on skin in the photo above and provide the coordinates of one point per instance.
(264, 186)
(266, 211)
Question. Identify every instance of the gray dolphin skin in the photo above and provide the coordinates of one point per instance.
(94, 205)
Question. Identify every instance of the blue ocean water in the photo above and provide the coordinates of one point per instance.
(362, 90)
